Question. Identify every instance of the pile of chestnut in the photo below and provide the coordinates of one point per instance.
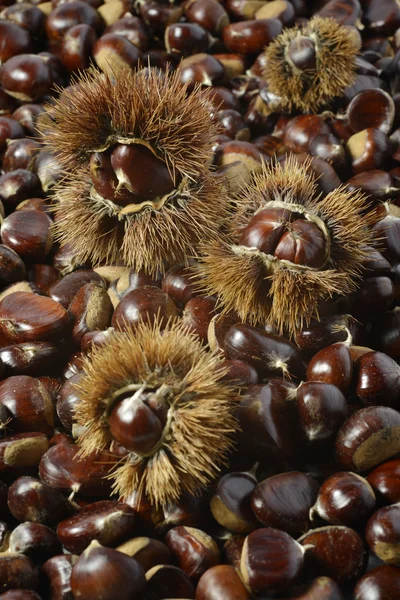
(309, 506)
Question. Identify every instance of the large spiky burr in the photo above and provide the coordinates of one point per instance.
(138, 188)
(160, 394)
(288, 248)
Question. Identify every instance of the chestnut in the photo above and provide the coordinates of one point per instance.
(271, 561)
(26, 317)
(113, 53)
(345, 498)
(381, 583)
(22, 450)
(29, 234)
(17, 571)
(197, 315)
(17, 186)
(61, 468)
(210, 15)
(385, 481)
(167, 580)
(368, 149)
(76, 47)
(28, 403)
(221, 583)
(371, 108)
(34, 540)
(65, 16)
(26, 77)
(196, 550)
(321, 409)
(14, 40)
(230, 504)
(64, 290)
(284, 501)
(250, 37)
(335, 551)
(383, 534)
(57, 572)
(332, 365)
(29, 499)
(20, 154)
(368, 437)
(108, 522)
(99, 572)
(12, 267)
(145, 304)
(148, 552)
(185, 39)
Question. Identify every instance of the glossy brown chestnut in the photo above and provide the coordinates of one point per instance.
(29, 499)
(113, 53)
(221, 582)
(195, 550)
(230, 504)
(368, 438)
(25, 317)
(133, 29)
(269, 354)
(20, 154)
(17, 186)
(26, 77)
(381, 583)
(383, 534)
(250, 37)
(345, 499)
(167, 580)
(385, 481)
(148, 552)
(99, 572)
(110, 523)
(143, 304)
(201, 68)
(28, 234)
(334, 551)
(76, 47)
(62, 469)
(91, 309)
(321, 408)
(284, 501)
(185, 39)
(35, 540)
(368, 149)
(332, 365)
(269, 421)
(377, 380)
(197, 315)
(371, 108)
(17, 571)
(179, 284)
(57, 571)
(12, 267)
(64, 290)
(65, 16)
(28, 403)
(271, 560)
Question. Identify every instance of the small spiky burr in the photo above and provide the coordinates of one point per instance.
(159, 394)
(138, 187)
(308, 66)
(287, 248)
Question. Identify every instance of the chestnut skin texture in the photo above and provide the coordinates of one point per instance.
(99, 572)
(220, 582)
(382, 583)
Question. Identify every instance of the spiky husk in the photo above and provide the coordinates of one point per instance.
(150, 240)
(200, 435)
(263, 289)
(147, 104)
(310, 91)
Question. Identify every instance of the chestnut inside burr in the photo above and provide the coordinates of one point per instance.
(131, 174)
